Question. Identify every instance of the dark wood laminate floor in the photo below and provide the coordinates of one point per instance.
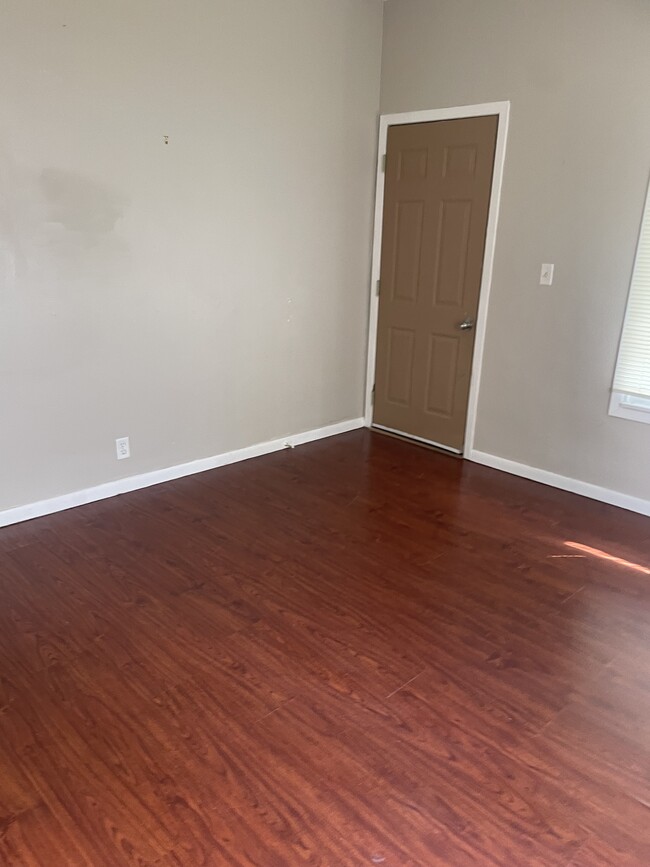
(359, 652)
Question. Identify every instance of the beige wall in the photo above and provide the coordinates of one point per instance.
(198, 296)
(211, 293)
(577, 73)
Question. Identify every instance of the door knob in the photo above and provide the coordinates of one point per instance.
(467, 324)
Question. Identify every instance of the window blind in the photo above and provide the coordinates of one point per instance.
(633, 365)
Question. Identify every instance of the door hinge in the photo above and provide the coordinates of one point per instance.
(378, 287)
(372, 395)
(383, 163)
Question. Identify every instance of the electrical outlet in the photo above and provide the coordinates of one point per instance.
(122, 448)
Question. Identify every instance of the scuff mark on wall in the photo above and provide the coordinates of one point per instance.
(80, 204)
(60, 239)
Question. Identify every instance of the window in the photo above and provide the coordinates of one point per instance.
(631, 390)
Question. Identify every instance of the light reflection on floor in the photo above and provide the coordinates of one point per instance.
(603, 555)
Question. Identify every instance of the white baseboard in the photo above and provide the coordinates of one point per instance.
(156, 477)
(585, 489)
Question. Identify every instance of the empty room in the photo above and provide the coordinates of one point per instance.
(324, 433)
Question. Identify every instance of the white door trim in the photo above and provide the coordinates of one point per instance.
(502, 109)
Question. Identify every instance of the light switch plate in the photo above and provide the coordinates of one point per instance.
(546, 277)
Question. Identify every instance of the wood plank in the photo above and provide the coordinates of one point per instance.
(356, 652)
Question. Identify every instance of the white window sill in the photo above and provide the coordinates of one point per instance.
(629, 407)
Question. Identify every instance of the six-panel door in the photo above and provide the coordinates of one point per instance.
(437, 197)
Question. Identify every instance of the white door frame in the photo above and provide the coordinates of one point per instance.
(502, 109)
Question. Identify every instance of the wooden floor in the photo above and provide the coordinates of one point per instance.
(359, 652)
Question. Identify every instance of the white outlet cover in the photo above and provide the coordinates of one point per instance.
(122, 448)
(546, 277)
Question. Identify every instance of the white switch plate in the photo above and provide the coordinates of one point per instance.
(546, 277)
(122, 448)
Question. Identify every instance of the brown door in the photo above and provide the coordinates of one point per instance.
(437, 196)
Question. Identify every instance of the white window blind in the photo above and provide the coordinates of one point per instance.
(633, 366)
